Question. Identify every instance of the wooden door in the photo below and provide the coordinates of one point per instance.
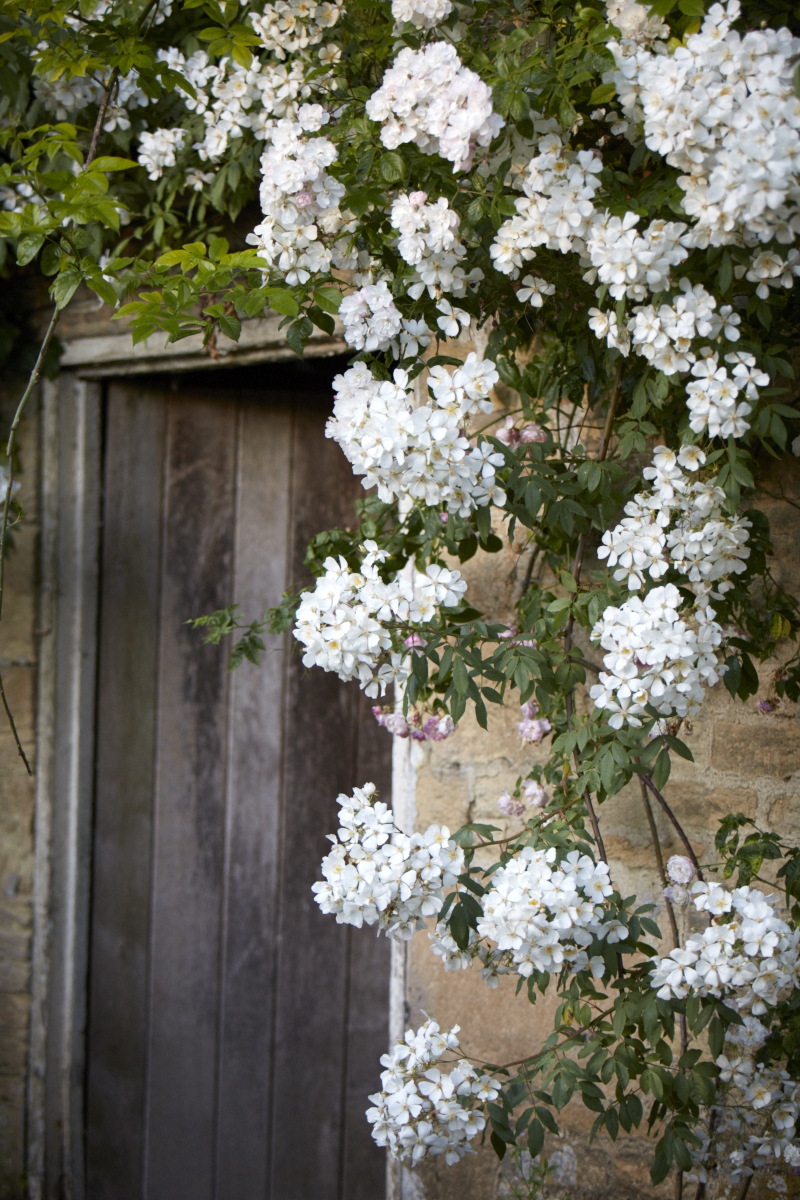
(234, 1031)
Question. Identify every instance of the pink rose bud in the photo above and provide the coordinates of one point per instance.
(529, 709)
(535, 794)
(417, 199)
(533, 731)
(443, 518)
(508, 434)
(533, 433)
(510, 806)
(303, 199)
(413, 640)
(437, 729)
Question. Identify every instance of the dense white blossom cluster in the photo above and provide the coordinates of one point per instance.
(157, 150)
(421, 452)
(721, 107)
(375, 874)
(303, 231)
(629, 262)
(660, 651)
(658, 654)
(346, 622)
(429, 97)
(543, 914)
(423, 1109)
(422, 13)
(288, 26)
(429, 241)
(681, 521)
(557, 209)
(370, 317)
(747, 954)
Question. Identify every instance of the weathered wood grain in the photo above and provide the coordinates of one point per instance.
(121, 869)
(189, 809)
(236, 1031)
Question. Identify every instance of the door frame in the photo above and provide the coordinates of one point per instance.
(70, 453)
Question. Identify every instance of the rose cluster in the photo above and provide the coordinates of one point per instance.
(420, 452)
(423, 1109)
(429, 97)
(374, 874)
(543, 914)
(660, 651)
(747, 955)
(346, 621)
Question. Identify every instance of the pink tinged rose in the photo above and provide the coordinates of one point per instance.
(438, 729)
(535, 795)
(303, 199)
(417, 199)
(532, 433)
(394, 722)
(510, 806)
(681, 869)
(533, 731)
(529, 709)
(413, 641)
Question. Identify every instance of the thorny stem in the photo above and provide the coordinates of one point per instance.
(32, 382)
(660, 860)
(648, 781)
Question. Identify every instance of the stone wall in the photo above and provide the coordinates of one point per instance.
(744, 761)
(18, 666)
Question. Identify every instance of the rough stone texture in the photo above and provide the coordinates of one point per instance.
(17, 662)
(744, 762)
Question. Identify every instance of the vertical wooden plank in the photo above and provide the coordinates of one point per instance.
(254, 784)
(72, 783)
(311, 1002)
(363, 1163)
(189, 806)
(126, 723)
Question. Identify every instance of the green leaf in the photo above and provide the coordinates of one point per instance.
(603, 93)
(498, 1145)
(298, 334)
(281, 301)
(231, 326)
(662, 769)
(535, 1138)
(111, 163)
(51, 259)
(392, 167)
(28, 247)
(64, 286)
(328, 298)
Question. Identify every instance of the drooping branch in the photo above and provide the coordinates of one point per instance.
(648, 781)
(660, 861)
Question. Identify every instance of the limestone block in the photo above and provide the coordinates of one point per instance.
(768, 747)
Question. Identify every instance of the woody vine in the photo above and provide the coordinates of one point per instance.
(603, 200)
